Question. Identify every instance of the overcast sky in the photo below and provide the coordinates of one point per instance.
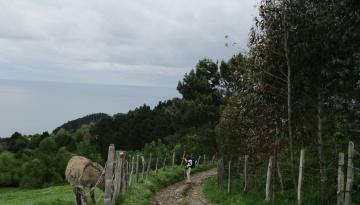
(116, 42)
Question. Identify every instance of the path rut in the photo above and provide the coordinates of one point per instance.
(182, 193)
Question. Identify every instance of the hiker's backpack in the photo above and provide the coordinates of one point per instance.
(194, 162)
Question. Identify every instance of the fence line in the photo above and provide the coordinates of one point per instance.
(307, 175)
(120, 173)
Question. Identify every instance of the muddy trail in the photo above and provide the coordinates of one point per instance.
(182, 193)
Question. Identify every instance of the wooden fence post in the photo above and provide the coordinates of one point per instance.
(245, 172)
(125, 177)
(301, 177)
(143, 167)
(157, 162)
(149, 164)
(220, 173)
(349, 175)
(164, 162)
(137, 168)
(132, 170)
(340, 188)
(268, 179)
(229, 178)
(173, 160)
(120, 175)
(109, 172)
(117, 177)
(238, 167)
(280, 177)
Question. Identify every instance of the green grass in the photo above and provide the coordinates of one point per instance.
(140, 193)
(256, 195)
(252, 197)
(56, 195)
(236, 197)
(212, 194)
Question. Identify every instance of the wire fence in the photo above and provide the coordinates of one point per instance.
(122, 170)
(274, 176)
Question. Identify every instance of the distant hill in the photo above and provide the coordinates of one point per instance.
(75, 124)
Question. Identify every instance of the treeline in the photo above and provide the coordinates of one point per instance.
(299, 83)
(76, 124)
(40, 160)
(175, 125)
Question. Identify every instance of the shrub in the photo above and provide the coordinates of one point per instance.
(9, 169)
(34, 173)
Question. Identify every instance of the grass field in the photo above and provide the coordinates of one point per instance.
(138, 194)
(256, 196)
(56, 195)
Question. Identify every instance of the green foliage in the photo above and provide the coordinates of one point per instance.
(47, 145)
(10, 169)
(61, 158)
(87, 149)
(17, 142)
(34, 173)
(64, 138)
(157, 148)
(74, 125)
(36, 139)
(133, 130)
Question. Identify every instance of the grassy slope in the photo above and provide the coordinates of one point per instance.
(256, 196)
(56, 195)
(140, 193)
(213, 195)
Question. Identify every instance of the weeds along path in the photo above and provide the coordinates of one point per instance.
(182, 193)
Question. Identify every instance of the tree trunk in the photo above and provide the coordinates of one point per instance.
(340, 190)
(289, 103)
(349, 175)
(280, 177)
(301, 177)
(229, 178)
(268, 180)
(245, 173)
(221, 174)
(321, 146)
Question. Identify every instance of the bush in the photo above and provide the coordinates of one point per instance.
(9, 169)
(34, 173)
(61, 159)
(47, 145)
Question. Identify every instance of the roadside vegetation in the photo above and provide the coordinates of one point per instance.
(141, 192)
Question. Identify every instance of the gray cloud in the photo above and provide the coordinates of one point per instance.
(117, 42)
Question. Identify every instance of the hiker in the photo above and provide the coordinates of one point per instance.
(189, 163)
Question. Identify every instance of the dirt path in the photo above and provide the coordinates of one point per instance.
(182, 193)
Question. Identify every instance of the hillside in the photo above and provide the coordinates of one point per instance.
(77, 123)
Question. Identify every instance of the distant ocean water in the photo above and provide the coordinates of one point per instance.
(33, 107)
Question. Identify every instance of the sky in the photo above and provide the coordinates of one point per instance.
(128, 52)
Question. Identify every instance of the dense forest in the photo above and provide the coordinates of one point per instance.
(76, 124)
(298, 86)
